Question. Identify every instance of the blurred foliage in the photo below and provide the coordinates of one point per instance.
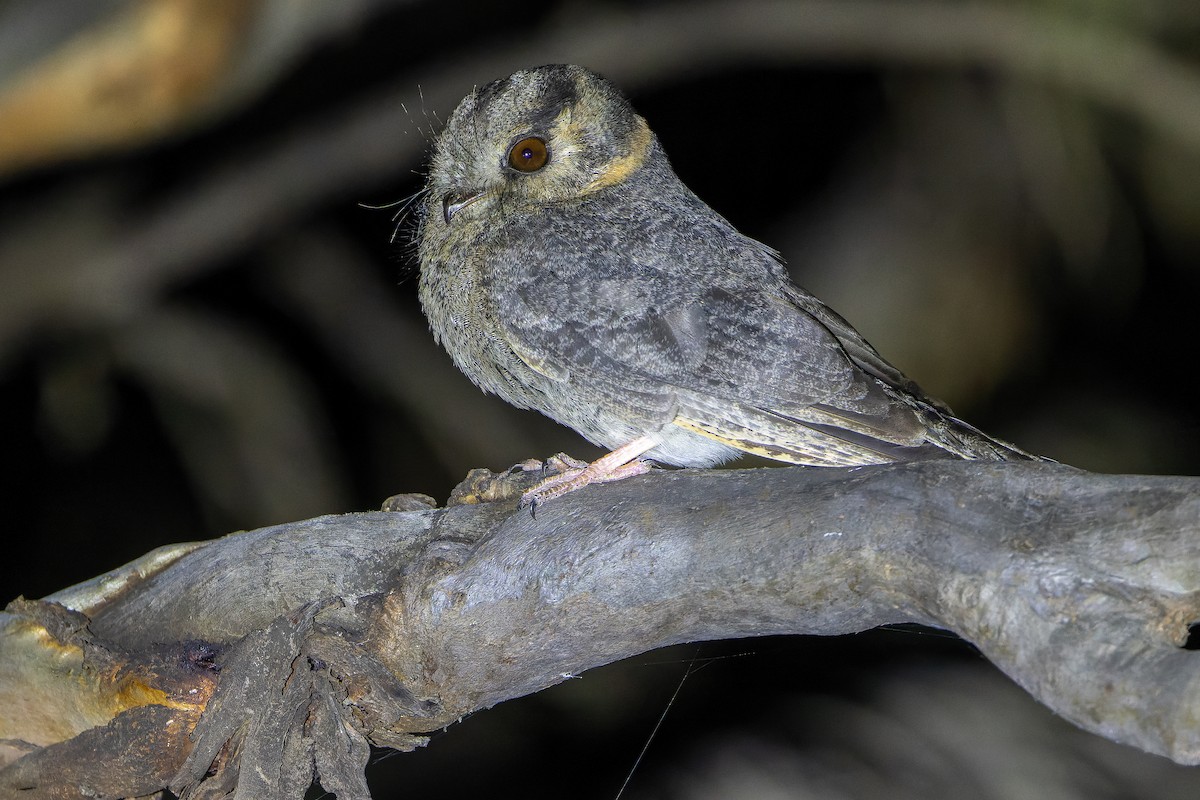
(205, 323)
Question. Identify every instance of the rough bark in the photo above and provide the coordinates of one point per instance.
(316, 638)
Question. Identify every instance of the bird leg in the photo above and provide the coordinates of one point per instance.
(621, 463)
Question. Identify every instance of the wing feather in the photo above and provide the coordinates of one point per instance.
(742, 357)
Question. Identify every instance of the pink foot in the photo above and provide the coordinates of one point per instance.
(573, 474)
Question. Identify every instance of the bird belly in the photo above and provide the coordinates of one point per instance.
(677, 446)
(683, 448)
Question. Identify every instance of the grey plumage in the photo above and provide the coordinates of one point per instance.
(599, 290)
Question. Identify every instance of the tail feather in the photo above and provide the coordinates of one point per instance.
(966, 441)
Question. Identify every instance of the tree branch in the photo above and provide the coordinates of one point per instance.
(324, 635)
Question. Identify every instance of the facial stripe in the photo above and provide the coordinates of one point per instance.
(624, 166)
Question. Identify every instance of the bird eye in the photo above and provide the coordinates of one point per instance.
(528, 155)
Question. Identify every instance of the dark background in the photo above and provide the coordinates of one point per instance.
(206, 327)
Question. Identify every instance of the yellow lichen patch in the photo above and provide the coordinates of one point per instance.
(43, 638)
(133, 693)
(45, 691)
(52, 690)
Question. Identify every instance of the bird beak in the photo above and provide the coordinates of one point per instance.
(453, 202)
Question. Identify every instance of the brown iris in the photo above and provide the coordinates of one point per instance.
(528, 155)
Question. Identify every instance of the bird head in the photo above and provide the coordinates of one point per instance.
(539, 137)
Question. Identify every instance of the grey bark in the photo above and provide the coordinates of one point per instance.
(377, 627)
